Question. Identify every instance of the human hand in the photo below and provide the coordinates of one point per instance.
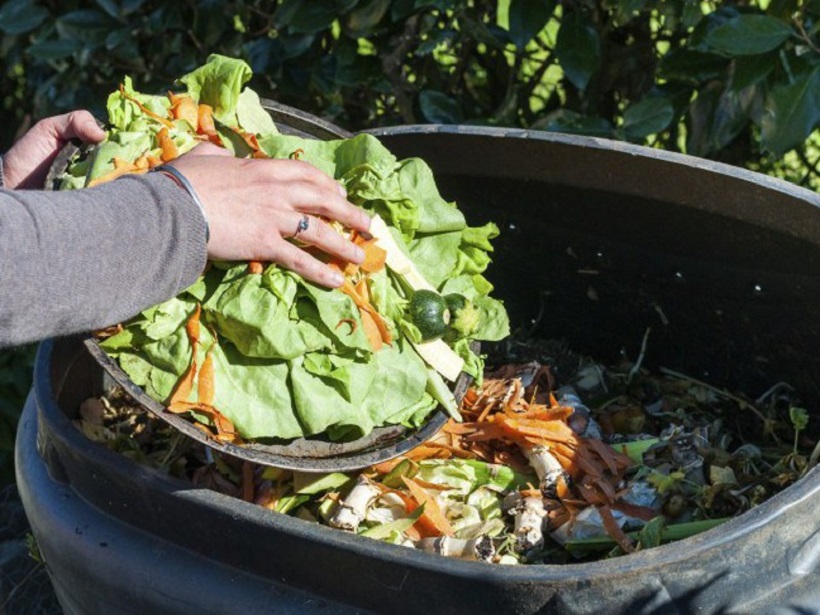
(254, 206)
(26, 164)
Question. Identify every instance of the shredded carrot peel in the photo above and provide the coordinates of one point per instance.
(169, 148)
(121, 167)
(184, 108)
(178, 402)
(205, 388)
(375, 327)
(375, 256)
(432, 521)
(206, 125)
(146, 110)
(185, 386)
(501, 426)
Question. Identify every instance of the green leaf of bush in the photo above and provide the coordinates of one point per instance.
(90, 26)
(692, 66)
(21, 16)
(367, 16)
(791, 113)
(316, 15)
(119, 8)
(528, 18)
(438, 108)
(750, 70)
(56, 49)
(748, 35)
(717, 116)
(109, 6)
(578, 48)
(647, 117)
(129, 6)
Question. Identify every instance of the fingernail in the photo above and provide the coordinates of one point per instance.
(342, 190)
(336, 279)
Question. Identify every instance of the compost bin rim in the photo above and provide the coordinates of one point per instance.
(60, 429)
(604, 144)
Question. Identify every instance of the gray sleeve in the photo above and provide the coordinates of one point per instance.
(85, 259)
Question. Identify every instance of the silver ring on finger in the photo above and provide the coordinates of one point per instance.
(303, 225)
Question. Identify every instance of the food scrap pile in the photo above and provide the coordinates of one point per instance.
(254, 352)
(535, 473)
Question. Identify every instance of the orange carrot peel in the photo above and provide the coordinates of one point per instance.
(184, 108)
(122, 167)
(206, 125)
(170, 151)
(374, 325)
(164, 121)
(432, 521)
(178, 402)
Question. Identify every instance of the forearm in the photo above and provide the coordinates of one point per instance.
(82, 260)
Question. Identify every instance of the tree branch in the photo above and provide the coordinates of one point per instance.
(393, 65)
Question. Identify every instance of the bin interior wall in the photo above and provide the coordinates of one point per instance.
(729, 291)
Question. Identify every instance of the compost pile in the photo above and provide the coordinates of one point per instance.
(558, 459)
(549, 458)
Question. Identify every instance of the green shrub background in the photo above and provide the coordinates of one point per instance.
(737, 82)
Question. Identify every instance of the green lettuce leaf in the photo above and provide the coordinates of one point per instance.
(125, 116)
(125, 145)
(494, 323)
(254, 394)
(251, 116)
(218, 83)
(436, 255)
(417, 184)
(259, 317)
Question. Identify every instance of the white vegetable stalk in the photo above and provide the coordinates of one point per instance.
(436, 353)
(529, 521)
(547, 467)
(353, 509)
(476, 549)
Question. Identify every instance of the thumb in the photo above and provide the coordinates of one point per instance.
(77, 124)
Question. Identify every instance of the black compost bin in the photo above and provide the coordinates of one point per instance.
(723, 264)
